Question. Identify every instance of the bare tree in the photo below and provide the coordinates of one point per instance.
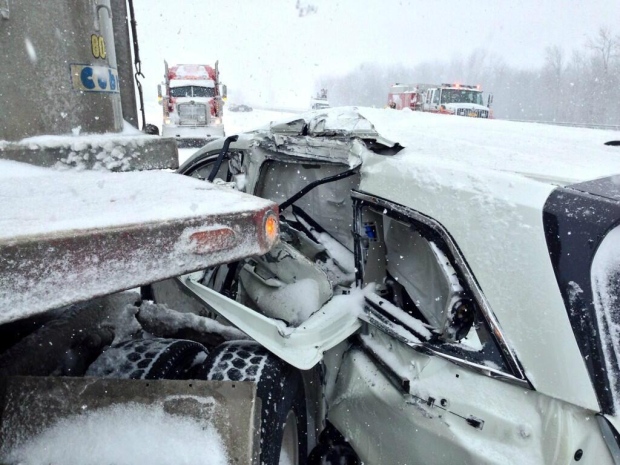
(578, 86)
(606, 47)
(554, 61)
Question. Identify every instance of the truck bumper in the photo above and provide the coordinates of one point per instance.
(193, 135)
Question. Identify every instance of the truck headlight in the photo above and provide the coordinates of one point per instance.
(166, 120)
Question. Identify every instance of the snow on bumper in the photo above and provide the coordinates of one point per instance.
(74, 242)
(193, 132)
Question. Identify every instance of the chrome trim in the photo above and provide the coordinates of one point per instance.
(400, 383)
(485, 308)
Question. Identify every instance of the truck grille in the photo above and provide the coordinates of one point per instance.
(473, 113)
(192, 114)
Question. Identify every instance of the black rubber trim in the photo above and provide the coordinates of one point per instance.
(345, 174)
(604, 187)
(576, 219)
(220, 157)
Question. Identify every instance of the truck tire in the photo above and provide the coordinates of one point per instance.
(280, 387)
(155, 358)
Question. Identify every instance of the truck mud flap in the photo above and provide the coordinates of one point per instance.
(30, 405)
(302, 347)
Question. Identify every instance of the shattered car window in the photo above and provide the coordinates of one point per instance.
(328, 205)
(416, 275)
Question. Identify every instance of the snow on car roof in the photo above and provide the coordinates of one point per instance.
(486, 182)
(554, 155)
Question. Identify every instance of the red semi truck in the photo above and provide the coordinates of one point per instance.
(192, 102)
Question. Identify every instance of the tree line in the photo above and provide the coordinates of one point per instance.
(581, 86)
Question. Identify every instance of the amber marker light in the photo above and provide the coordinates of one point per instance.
(212, 240)
(271, 228)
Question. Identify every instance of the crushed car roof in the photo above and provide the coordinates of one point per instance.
(550, 154)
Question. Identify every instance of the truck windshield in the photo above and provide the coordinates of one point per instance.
(461, 96)
(192, 91)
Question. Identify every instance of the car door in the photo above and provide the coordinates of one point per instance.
(431, 378)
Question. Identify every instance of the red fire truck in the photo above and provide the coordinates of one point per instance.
(449, 99)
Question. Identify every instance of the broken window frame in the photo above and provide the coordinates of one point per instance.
(208, 159)
(511, 370)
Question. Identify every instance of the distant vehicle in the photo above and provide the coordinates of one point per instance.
(243, 108)
(320, 101)
(192, 103)
(449, 99)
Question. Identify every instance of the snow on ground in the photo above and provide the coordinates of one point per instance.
(560, 155)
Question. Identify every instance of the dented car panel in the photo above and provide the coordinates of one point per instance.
(453, 415)
(526, 287)
(461, 349)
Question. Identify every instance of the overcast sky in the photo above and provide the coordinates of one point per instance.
(268, 52)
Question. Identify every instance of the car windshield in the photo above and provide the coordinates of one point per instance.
(192, 91)
(461, 96)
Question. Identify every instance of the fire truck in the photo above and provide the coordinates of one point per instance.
(449, 99)
(192, 103)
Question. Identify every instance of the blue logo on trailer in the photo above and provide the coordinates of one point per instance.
(94, 78)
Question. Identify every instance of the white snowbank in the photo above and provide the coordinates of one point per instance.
(555, 154)
(124, 434)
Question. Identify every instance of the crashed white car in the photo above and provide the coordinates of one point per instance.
(448, 286)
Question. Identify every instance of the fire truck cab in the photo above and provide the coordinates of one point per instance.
(457, 99)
